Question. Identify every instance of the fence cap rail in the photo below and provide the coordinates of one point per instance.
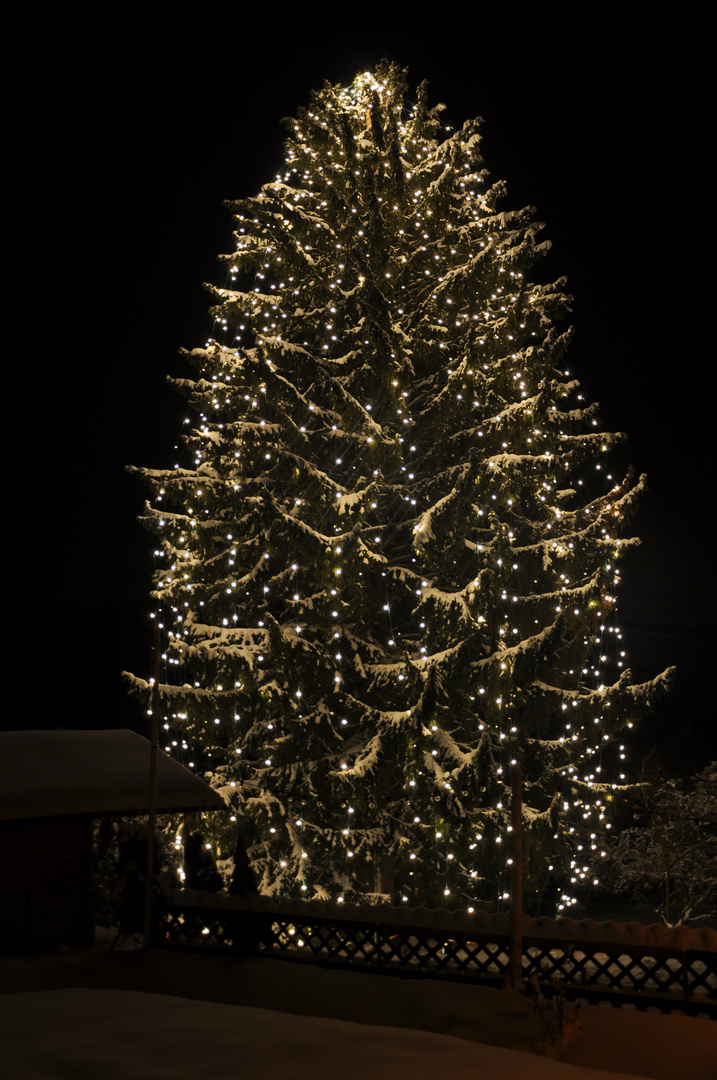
(681, 938)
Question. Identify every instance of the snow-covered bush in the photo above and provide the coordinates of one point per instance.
(669, 859)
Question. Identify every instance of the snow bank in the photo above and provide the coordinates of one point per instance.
(204, 1015)
(117, 1033)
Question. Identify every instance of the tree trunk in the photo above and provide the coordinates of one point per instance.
(384, 876)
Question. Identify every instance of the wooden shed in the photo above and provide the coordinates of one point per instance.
(53, 785)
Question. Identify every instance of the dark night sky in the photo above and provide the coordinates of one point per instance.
(122, 167)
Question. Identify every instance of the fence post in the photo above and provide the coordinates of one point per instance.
(685, 981)
(152, 793)
(515, 967)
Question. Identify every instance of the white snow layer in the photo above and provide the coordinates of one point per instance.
(273, 1020)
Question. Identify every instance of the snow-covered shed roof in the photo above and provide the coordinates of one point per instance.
(55, 773)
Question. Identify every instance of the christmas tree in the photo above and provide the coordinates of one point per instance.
(389, 562)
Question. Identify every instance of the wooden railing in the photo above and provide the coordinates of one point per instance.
(617, 963)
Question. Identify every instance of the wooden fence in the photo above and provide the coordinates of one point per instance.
(619, 964)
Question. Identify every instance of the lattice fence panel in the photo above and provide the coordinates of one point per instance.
(663, 977)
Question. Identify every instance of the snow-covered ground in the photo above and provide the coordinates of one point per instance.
(111, 1016)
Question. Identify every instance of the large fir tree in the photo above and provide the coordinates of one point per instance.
(389, 563)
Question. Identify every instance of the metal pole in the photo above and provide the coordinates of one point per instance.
(516, 882)
(152, 798)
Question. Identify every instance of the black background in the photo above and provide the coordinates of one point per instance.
(124, 139)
